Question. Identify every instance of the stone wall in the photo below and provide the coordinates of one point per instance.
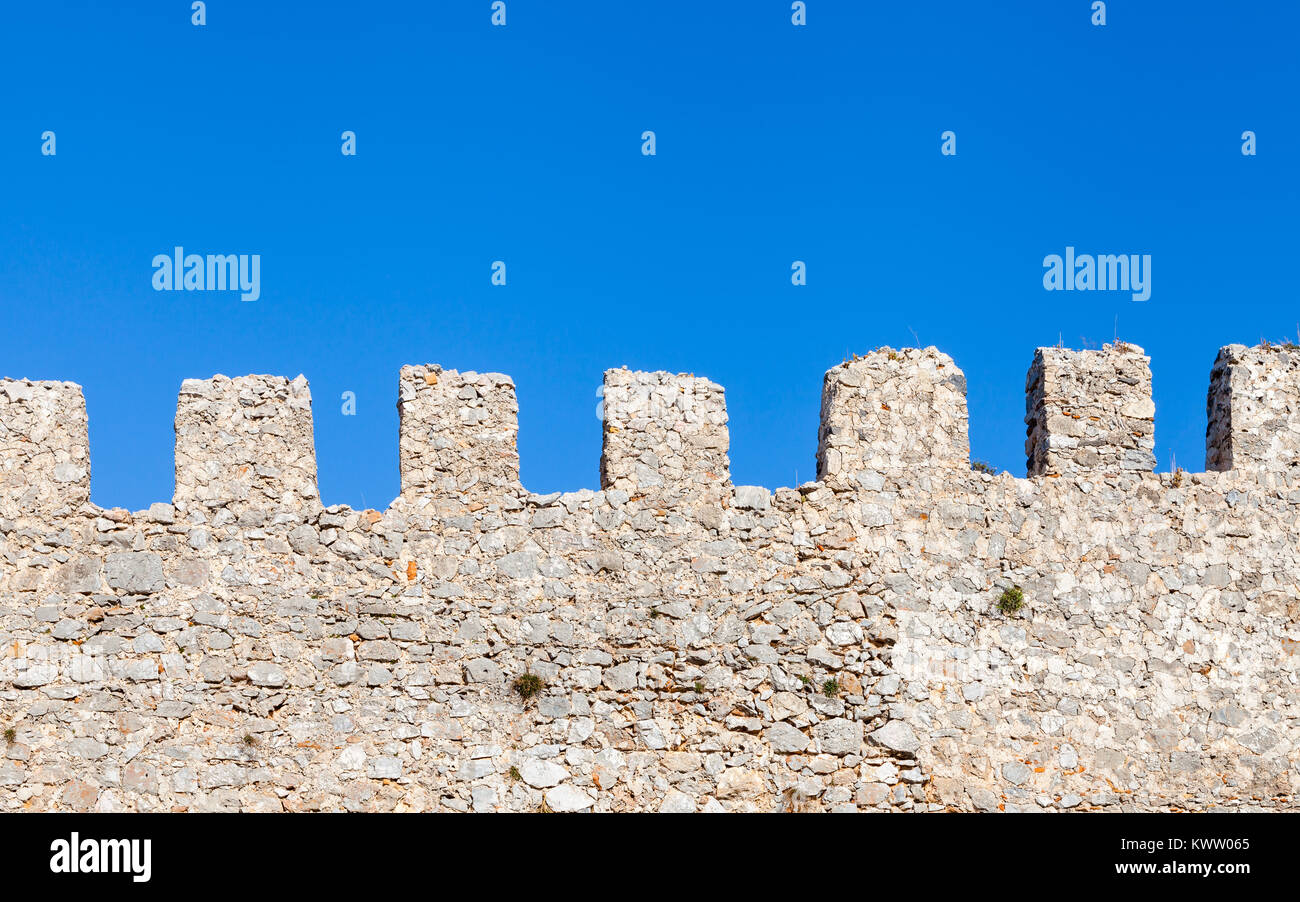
(1253, 420)
(1090, 412)
(665, 438)
(44, 448)
(457, 435)
(245, 444)
(892, 414)
(700, 646)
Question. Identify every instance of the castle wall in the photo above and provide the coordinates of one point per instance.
(458, 435)
(1090, 412)
(836, 646)
(665, 437)
(1253, 420)
(245, 444)
(44, 448)
(893, 415)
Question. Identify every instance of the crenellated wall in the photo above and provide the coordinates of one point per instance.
(701, 646)
(458, 436)
(1252, 411)
(245, 444)
(1090, 412)
(665, 438)
(892, 415)
(44, 448)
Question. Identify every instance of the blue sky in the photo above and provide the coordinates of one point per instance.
(774, 143)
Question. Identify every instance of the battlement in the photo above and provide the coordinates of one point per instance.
(665, 436)
(245, 444)
(1090, 412)
(893, 415)
(44, 448)
(458, 435)
(888, 418)
(1253, 410)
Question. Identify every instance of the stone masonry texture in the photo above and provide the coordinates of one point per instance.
(44, 448)
(1090, 411)
(1253, 415)
(245, 444)
(698, 646)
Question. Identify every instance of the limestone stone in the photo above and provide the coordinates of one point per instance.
(568, 798)
(134, 571)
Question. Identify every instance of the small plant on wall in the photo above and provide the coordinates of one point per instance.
(1011, 600)
(528, 685)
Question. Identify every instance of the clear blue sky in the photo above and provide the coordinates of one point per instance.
(522, 144)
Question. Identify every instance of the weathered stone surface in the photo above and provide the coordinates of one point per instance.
(265, 673)
(134, 572)
(782, 737)
(665, 438)
(245, 444)
(892, 413)
(1090, 412)
(383, 768)
(676, 802)
(543, 774)
(737, 783)
(457, 437)
(44, 448)
(1253, 420)
(896, 736)
(568, 798)
(752, 497)
(839, 736)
